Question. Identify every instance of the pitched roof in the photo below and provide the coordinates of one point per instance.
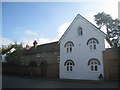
(78, 15)
(49, 47)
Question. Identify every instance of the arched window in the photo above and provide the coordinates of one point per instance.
(92, 42)
(69, 45)
(80, 31)
(69, 65)
(93, 63)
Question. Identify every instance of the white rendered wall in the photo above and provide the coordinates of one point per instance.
(81, 53)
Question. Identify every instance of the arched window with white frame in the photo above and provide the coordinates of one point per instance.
(69, 65)
(92, 43)
(94, 64)
(69, 46)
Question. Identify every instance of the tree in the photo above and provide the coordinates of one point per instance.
(5, 48)
(14, 58)
(112, 27)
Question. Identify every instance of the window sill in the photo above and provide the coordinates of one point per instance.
(94, 71)
(69, 71)
(68, 52)
(79, 35)
(93, 50)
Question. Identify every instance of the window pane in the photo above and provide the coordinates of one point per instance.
(70, 49)
(92, 68)
(96, 68)
(81, 32)
(90, 42)
(91, 62)
(90, 47)
(95, 62)
(67, 49)
(67, 68)
(68, 63)
(94, 46)
(70, 68)
(94, 41)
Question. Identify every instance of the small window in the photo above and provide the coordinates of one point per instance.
(80, 31)
(43, 54)
(58, 59)
(38, 55)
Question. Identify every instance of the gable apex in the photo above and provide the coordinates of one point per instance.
(77, 16)
(80, 16)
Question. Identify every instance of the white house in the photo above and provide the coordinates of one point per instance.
(81, 49)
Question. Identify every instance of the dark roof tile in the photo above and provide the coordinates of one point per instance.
(49, 47)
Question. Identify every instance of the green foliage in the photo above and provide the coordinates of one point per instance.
(4, 49)
(112, 27)
(13, 58)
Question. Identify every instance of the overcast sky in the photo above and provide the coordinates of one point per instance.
(46, 21)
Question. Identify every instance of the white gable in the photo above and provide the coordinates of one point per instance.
(84, 23)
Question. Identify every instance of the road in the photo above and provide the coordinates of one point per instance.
(22, 82)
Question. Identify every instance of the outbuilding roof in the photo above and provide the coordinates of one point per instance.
(49, 47)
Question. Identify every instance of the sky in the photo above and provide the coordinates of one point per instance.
(45, 22)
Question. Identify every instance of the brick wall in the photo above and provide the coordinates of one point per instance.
(111, 63)
(53, 71)
(45, 71)
(51, 58)
(25, 71)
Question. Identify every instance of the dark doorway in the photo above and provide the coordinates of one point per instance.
(33, 63)
(44, 69)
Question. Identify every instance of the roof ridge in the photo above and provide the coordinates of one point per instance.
(48, 43)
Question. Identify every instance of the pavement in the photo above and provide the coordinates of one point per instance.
(10, 81)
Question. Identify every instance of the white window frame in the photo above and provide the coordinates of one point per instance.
(69, 47)
(93, 65)
(69, 66)
(92, 44)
